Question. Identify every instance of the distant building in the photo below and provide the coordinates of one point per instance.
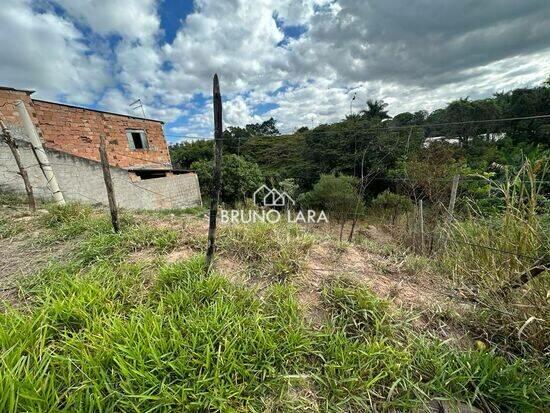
(455, 140)
(137, 151)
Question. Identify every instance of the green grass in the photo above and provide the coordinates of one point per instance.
(197, 211)
(10, 228)
(272, 251)
(105, 339)
(108, 246)
(99, 333)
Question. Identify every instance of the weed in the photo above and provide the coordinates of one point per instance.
(10, 228)
(356, 310)
(72, 220)
(110, 246)
(275, 251)
(488, 255)
(12, 199)
(414, 264)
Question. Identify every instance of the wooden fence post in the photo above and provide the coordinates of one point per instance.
(108, 182)
(452, 202)
(8, 138)
(216, 175)
(421, 227)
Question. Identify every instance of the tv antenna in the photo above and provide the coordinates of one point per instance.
(136, 104)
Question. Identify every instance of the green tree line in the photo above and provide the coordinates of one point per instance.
(396, 153)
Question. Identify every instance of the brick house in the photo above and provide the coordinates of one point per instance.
(136, 147)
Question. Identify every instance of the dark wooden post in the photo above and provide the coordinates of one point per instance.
(422, 240)
(452, 201)
(8, 138)
(216, 175)
(108, 182)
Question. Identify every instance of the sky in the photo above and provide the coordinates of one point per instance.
(298, 61)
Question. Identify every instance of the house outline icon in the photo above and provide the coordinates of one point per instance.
(272, 197)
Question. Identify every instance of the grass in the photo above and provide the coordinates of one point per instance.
(10, 228)
(516, 319)
(197, 211)
(273, 251)
(101, 339)
(99, 333)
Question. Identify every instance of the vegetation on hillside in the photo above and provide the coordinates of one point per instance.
(371, 143)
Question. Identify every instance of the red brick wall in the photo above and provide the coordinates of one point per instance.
(77, 130)
(7, 107)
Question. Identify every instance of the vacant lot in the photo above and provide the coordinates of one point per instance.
(291, 320)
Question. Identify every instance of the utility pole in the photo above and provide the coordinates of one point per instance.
(216, 175)
(351, 103)
(40, 153)
(108, 182)
(10, 141)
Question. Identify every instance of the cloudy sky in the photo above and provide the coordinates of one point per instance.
(299, 61)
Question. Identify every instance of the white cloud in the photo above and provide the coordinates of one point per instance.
(237, 113)
(134, 19)
(383, 50)
(45, 52)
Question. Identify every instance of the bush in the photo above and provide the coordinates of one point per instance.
(336, 195)
(240, 178)
(392, 204)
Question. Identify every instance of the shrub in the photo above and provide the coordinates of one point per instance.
(337, 195)
(392, 204)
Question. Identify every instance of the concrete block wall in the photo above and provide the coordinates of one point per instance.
(81, 180)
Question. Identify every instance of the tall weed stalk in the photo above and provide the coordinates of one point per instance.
(491, 256)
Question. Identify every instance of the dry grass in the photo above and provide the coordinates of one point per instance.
(514, 318)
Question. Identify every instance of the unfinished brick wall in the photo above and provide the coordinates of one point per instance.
(76, 131)
(8, 97)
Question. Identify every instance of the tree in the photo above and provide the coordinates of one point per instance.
(457, 119)
(408, 118)
(392, 204)
(290, 186)
(184, 154)
(233, 138)
(240, 177)
(266, 128)
(375, 110)
(337, 195)
(428, 174)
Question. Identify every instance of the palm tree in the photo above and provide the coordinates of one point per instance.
(375, 109)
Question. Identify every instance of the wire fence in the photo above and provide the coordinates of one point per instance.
(372, 174)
